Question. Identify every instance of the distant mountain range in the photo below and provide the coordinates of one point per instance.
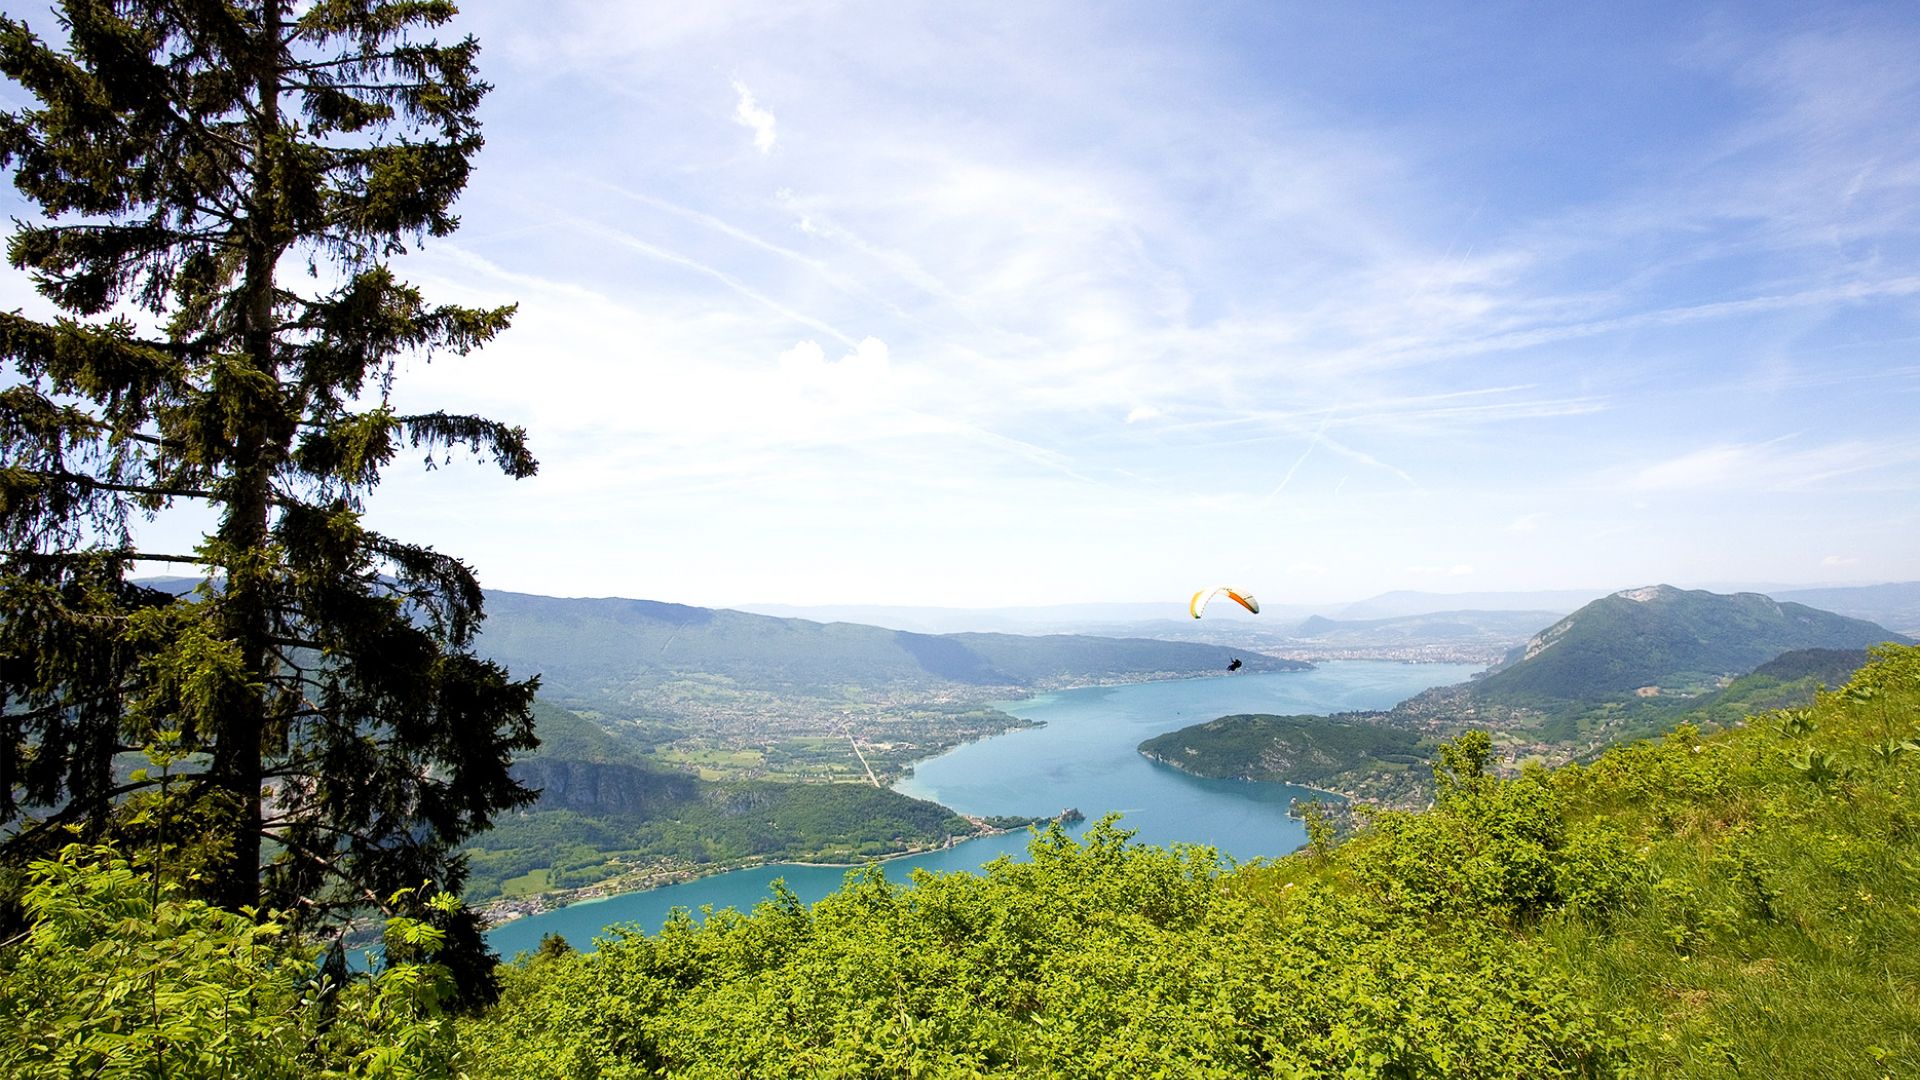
(1389, 620)
(604, 653)
(1393, 605)
(1895, 606)
(1121, 619)
(1437, 628)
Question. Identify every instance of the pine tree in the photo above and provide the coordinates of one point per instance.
(223, 186)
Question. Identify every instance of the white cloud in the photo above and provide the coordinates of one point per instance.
(749, 114)
(1838, 560)
(1274, 287)
(861, 375)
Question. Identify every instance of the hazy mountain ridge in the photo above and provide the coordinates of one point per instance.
(607, 653)
(1440, 627)
(1894, 605)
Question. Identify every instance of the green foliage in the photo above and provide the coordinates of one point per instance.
(119, 976)
(1320, 830)
(1688, 907)
(1093, 958)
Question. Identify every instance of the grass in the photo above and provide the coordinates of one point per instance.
(1771, 929)
(534, 881)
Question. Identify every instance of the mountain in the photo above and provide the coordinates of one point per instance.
(1895, 605)
(1788, 681)
(1166, 619)
(1294, 629)
(607, 653)
(1390, 605)
(1665, 638)
(1436, 628)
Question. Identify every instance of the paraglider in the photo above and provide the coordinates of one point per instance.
(1235, 666)
(1205, 596)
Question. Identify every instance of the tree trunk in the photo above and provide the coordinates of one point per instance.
(239, 756)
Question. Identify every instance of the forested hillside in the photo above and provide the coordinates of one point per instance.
(1347, 754)
(611, 816)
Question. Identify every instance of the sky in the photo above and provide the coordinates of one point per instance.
(978, 304)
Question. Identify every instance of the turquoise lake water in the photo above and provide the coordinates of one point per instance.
(1084, 757)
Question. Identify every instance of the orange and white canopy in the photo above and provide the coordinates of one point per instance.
(1205, 596)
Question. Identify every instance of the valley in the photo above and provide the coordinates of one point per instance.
(681, 742)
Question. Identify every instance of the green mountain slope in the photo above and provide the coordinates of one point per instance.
(1666, 638)
(1787, 681)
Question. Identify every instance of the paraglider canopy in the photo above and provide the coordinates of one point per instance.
(1205, 596)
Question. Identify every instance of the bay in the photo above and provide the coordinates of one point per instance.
(1084, 757)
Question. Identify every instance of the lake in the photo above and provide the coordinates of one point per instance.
(1084, 757)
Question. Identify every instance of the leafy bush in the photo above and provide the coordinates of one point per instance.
(119, 975)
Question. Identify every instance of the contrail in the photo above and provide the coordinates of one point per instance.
(1326, 419)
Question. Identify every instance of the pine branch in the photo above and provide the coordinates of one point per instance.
(81, 480)
(327, 865)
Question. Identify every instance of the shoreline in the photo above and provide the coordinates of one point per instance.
(1346, 796)
(503, 910)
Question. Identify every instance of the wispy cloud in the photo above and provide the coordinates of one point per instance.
(1778, 465)
(729, 280)
(749, 114)
(1079, 289)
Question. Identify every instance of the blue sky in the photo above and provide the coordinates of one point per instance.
(978, 304)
